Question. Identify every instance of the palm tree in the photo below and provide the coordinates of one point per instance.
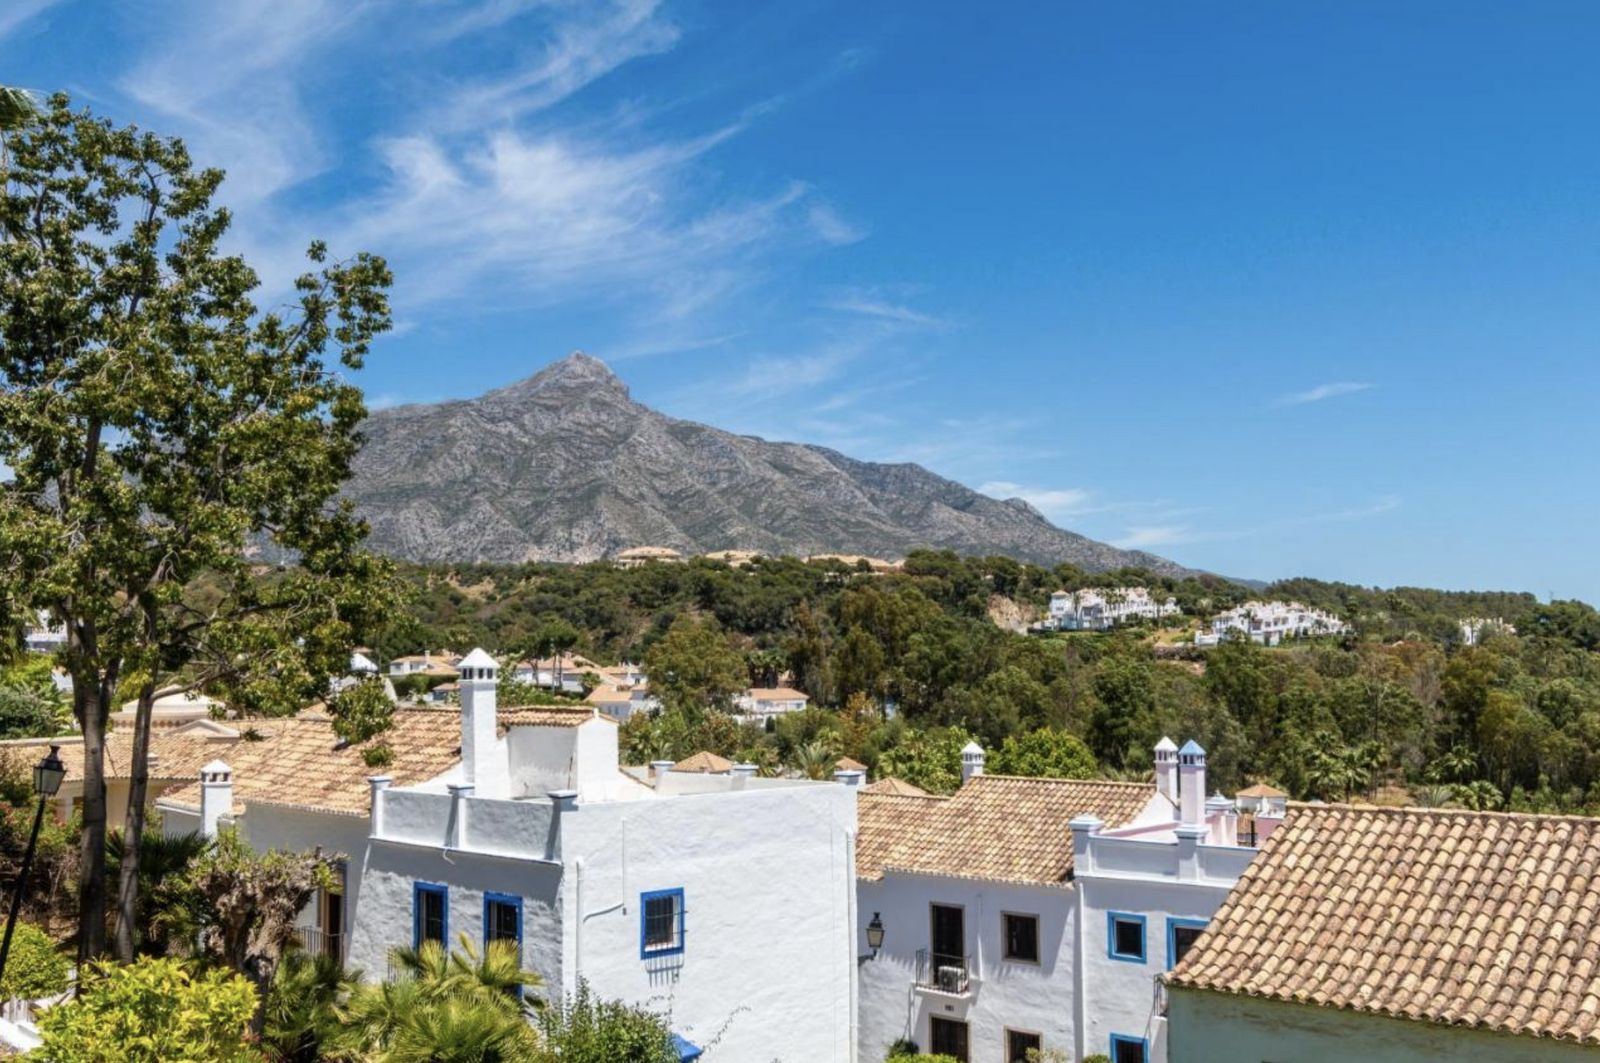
(163, 858)
(460, 1007)
(302, 1011)
(814, 760)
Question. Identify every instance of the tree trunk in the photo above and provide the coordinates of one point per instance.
(92, 695)
(133, 827)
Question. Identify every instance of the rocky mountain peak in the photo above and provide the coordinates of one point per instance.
(577, 372)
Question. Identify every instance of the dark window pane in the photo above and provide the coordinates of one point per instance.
(1182, 938)
(1129, 937)
(1018, 1044)
(1127, 1051)
(1022, 938)
(661, 922)
(431, 916)
(502, 921)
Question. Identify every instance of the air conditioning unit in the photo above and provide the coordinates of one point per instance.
(950, 979)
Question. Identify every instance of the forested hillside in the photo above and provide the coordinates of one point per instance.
(1514, 721)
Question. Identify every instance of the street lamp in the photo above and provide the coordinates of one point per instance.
(47, 776)
(874, 934)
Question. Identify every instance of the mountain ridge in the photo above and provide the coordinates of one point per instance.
(565, 465)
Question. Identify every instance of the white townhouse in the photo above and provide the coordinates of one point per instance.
(563, 673)
(1024, 914)
(725, 900)
(1271, 622)
(770, 701)
(1474, 629)
(1101, 609)
(441, 664)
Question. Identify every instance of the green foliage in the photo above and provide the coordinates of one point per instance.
(694, 666)
(581, 1029)
(302, 1007)
(34, 968)
(30, 704)
(1045, 753)
(461, 1007)
(163, 860)
(378, 756)
(929, 759)
(361, 710)
(152, 1011)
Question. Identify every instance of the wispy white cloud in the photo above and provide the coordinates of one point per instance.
(1142, 536)
(832, 227)
(1057, 503)
(1322, 392)
(16, 12)
(869, 305)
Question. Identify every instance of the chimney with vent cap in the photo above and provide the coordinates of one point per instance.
(482, 766)
(971, 762)
(1192, 783)
(216, 796)
(1167, 769)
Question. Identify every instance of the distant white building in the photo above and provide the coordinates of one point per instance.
(1100, 609)
(1271, 622)
(1036, 914)
(1474, 629)
(770, 701)
(563, 673)
(44, 636)
(440, 665)
(724, 898)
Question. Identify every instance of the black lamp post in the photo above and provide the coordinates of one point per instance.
(47, 776)
(874, 934)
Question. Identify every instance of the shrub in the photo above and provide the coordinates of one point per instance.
(34, 968)
(152, 1011)
(582, 1029)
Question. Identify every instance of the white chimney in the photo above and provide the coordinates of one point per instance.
(378, 784)
(745, 771)
(216, 796)
(848, 776)
(971, 762)
(1222, 819)
(1167, 769)
(659, 769)
(1192, 783)
(481, 766)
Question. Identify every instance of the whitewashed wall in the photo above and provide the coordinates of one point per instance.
(1207, 1026)
(767, 972)
(1038, 998)
(1120, 995)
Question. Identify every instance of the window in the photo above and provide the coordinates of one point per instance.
(661, 923)
(1021, 934)
(1181, 933)
(430, 914)
(947, 1037)
(1125, 936)
(1125, 1049)
(1019, 1043)
(502, 921)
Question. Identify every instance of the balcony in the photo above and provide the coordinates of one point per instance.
(943, 973)
(318, 942)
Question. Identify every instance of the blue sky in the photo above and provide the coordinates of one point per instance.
(1271, 289)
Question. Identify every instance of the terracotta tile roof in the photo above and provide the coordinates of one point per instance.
(996, 827)
(848, 764)
(301, 763)
(895, 787)
(776, 694)
(1261, 790)
(1468, 918)
(704, 762)
(174, 756)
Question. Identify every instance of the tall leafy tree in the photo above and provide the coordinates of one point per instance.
(161, 428)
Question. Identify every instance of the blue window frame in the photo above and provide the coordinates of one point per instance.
(1190, 928)
(430, 914)
(1125, 936)
(502, 921)
(1125, 1049)
(660, 923)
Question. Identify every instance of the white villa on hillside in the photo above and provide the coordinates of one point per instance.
(1101, 609)
(43, 636)
(440, 665)
(1474, 629)
(520, 825)
(770, 701)
(1271, 622)
(565, 672)
(1024, 914)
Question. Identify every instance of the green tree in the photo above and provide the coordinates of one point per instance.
(694, 666)
(163, 858)
(18, 108)
(553, 638)
(302, 1008)
(361, 710)
(930, 759)
(157, 424)
(153, 1010)
(1045, 753)
(245, 904)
